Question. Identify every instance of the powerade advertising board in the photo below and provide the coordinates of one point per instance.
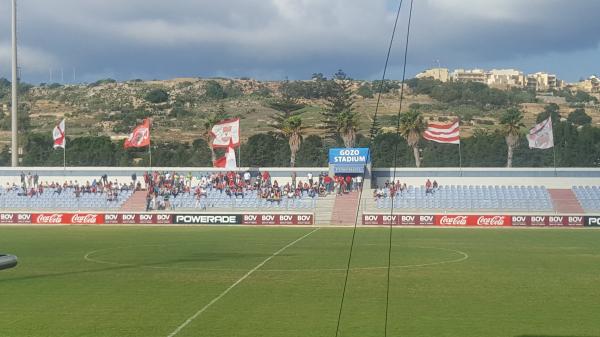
(345, 160)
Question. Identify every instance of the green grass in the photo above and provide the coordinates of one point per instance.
(147, 281)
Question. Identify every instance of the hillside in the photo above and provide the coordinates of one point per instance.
(112, 108)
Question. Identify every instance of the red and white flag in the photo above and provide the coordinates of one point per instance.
(58, 134)
(541, 135)
(225, 133)
(443, 133)
(140, 136)
(228, 161)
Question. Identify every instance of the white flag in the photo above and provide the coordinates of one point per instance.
(226, 132)
(541, 136)
(58, 134)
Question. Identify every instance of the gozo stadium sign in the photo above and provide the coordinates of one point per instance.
(349, 156)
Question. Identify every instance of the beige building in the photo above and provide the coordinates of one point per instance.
(473, 75)
(440, 74)
(543, 82)
(591, 85)
(506, 78)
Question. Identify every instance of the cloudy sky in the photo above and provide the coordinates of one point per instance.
(272, 39)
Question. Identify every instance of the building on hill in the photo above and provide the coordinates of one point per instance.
(472, 75)
(506, 78)
(440, 74)
(541, 81)
(503, 78)
(590, 85)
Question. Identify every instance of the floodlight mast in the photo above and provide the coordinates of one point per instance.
(14, 102)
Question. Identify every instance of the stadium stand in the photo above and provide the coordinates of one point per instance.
(589, 197)
(249, 200)
(65, 200)
(470, 198)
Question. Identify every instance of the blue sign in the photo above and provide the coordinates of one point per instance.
(349, 156)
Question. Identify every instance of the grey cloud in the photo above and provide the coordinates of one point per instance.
(274, 38)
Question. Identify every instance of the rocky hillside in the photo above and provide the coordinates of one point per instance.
(180, 106)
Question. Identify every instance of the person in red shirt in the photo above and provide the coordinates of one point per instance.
(266, 178)
(327, 181)
(348, 183)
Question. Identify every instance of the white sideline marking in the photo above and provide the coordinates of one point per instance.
(216, 299)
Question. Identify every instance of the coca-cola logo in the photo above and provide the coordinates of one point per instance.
(49, 218)
(490, 220)
(84, 218)
(459, 220)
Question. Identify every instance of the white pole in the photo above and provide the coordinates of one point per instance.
(14, 102)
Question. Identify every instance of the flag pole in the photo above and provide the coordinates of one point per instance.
(554, 155)
(459, 157)
(150, 145)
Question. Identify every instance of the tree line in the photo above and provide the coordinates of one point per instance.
(577, 143)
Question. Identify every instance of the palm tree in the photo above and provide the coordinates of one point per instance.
(292, 130)
(347, 124)
(209, 122)
(287, 121)
(411, 127)
(511, 127)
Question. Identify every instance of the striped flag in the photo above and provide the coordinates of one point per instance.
(443, 133)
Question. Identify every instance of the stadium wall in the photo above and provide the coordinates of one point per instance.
(559, 178)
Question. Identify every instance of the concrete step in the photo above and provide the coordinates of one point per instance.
(344, 209)
(135, 203)
(565, 201)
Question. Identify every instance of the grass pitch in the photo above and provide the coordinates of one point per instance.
(141, 281)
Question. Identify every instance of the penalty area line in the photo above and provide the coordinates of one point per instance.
(240, 280)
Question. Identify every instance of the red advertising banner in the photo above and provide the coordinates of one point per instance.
(398, 220)
(138, 219)
(473, 220)
(67, 218)
(277, 219)
(548, 220)
(7, 218)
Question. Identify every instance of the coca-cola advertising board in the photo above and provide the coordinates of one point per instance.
(67, 218)
(473, 220)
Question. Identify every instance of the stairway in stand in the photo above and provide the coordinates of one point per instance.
(135, 203)
(565, 201)
(344, 209)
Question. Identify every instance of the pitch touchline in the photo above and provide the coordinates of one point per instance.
(216, 299)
